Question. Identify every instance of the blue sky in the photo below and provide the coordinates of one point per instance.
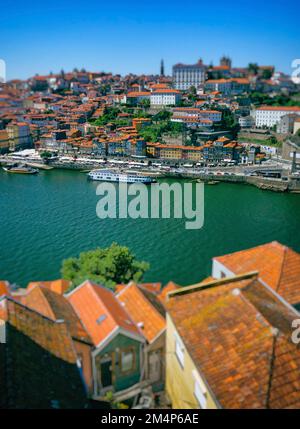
(133, 36)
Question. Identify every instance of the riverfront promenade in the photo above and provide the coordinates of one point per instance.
(270, 175)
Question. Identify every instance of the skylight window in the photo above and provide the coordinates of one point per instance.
(101, 319)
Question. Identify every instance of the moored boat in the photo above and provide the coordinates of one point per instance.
(20, 169)
(120, 177)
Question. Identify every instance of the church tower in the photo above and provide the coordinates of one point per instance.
(162, 68)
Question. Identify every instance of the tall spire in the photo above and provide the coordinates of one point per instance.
(162, 68)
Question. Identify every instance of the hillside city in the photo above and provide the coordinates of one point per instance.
(203, 116)
(227, 341)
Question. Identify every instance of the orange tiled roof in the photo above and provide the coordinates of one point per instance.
(166, 91)
(47, 333)
(41, 362)
(170, 287)
(138, 94)
(4, 288)
(100, 311)
(56, 307)
(151, 287)
(144, 314)
(278, 266)
(237, 332)
(284, 108)
(59, 286)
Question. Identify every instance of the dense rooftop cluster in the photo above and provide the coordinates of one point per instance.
(101, 114)
(226, 342)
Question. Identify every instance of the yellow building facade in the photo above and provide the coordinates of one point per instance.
(184, 384)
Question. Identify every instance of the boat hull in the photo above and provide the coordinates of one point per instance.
(114, 177)
(17, 171)
(145, 182)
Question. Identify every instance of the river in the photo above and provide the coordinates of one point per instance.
(52, 216)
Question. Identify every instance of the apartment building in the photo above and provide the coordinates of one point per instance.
(286, 124)
(196, 113)
(19, 135)
(4, 142)
(187, 75)
(136, 97)
(165, 97)
(232, 86)
(174, 152)
(268, 116)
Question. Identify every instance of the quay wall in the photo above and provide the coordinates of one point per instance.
(276, 185)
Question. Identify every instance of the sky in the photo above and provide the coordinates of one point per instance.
(133, 36)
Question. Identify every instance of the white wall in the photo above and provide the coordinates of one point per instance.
(218, 269)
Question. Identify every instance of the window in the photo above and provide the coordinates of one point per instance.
(127, 360)
(200, 391)
(179, 350)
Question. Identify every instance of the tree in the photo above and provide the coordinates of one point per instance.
(107, 266)
(267, 74)
(145, 103)
(162, 115)
(229, 122)
(253, 68)
(46, 154)
(192, 94)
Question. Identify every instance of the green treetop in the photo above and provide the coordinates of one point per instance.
(107, 266)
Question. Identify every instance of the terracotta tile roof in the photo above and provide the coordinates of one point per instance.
(40, 362)
(278, 266)
(170, 287)
(138, 94)
(151, 287)
(100, 312)
(144, 314)
(166, 91)
(4, 288)
(280, 108)
(52, 335)
(56, 307)
(59, 286)
(238, 334)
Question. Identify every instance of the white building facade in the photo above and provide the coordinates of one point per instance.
(185, 76)
(270, 115)
(165, 97)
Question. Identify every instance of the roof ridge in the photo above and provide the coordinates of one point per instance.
(157, 313)
(148, 302)
(219, 282)
(118, 303)
(281, 268)
(41, 289)
(251, 248)
(32, 310)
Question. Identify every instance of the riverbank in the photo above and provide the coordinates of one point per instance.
(232, 174)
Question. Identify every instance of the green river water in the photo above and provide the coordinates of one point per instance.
(52, 216)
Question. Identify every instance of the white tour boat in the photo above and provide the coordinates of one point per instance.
(116, 176)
